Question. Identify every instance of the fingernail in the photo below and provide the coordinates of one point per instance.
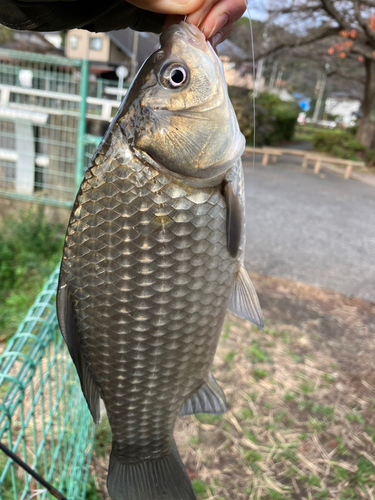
(221, 21)
(216, 39)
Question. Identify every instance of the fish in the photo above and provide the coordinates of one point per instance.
(153, 258)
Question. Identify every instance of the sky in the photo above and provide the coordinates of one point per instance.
(258, 9)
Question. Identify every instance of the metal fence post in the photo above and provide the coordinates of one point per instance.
(82, 121)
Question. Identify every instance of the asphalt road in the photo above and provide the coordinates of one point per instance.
(315, 229)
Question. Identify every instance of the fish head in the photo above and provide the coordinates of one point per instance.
(178, 111)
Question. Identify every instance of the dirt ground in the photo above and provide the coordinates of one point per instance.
(301, 398)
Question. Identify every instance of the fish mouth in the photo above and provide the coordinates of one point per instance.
(189, 32)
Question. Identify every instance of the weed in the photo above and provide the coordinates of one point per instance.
(328, 378)
(311, 480)
(284, 335)
(256, 354)
(194, 440)
(307, 386)
(199, 489)
(208, 419)
(251, 436)
(370, 431)
(315, 425)
(275, 495)
(91, 491)
(103, 438)
(325, 411)
(29, 250)
(226, 330)
(355, 418)
(252, 457)
(290, 396)
(246, 413)
(230, 356)
(259, 373)
(295, 357)
(340, 446)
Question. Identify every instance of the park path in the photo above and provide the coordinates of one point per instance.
(318, 229)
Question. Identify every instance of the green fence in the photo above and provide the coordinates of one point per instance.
(45, 105)
(43, 416)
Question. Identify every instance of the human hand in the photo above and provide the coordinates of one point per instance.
(215, 18)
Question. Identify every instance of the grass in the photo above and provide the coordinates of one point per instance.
(30, 248)
(297, 427)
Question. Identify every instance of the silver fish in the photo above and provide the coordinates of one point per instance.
(153, 257)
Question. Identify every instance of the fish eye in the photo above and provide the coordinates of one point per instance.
(174, 76)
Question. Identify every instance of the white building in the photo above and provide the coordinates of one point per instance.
(342, 106)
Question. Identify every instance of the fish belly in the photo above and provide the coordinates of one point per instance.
(150, 277)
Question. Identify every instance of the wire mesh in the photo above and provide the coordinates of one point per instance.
(44, 104)
(42, 124)
(43, 416)
(39, 117)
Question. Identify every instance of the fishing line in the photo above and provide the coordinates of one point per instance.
(32, 472)
(254, 76)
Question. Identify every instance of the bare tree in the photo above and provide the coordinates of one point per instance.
(349, 28)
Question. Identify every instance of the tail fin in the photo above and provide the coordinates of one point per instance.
(164, 479)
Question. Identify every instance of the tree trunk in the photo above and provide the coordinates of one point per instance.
(366, 129)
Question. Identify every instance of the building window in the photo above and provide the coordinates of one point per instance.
(73, 42)
(95, 43)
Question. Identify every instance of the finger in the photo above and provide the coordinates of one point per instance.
(179, 7)
(201, 13)
(221, 14)
(221, 35)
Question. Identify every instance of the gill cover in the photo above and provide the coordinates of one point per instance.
(178, 110)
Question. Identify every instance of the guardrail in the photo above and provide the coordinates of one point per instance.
(318, 159)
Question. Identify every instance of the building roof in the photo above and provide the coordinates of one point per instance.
(147, 43)
(233, 52)
(31, 41)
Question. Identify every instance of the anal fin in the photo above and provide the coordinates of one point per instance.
(210, 398)
(244, 300)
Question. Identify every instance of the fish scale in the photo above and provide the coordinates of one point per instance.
(156, 329)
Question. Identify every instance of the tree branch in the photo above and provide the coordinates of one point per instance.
(320, 34)
(329, 7)
(364, 25)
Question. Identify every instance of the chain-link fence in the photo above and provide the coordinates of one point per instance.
(43, 416)
(45, 102)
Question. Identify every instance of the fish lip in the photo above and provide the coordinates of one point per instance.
(189, 32)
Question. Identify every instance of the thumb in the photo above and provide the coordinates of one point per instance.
(179, 7)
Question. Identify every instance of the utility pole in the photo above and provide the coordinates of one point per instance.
(279, 78)
(261, 64)
(134, 55)
(321, 86)
(258, 77)
(273, 75)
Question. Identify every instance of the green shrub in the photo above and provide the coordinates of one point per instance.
(340, 143)
(370, 157)
(30, 248)
(275, 120)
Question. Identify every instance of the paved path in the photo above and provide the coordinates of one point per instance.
(315, 229)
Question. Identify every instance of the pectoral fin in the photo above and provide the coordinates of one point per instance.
(65, 314)
(209, 398)
(234, 220)
(244, 300)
